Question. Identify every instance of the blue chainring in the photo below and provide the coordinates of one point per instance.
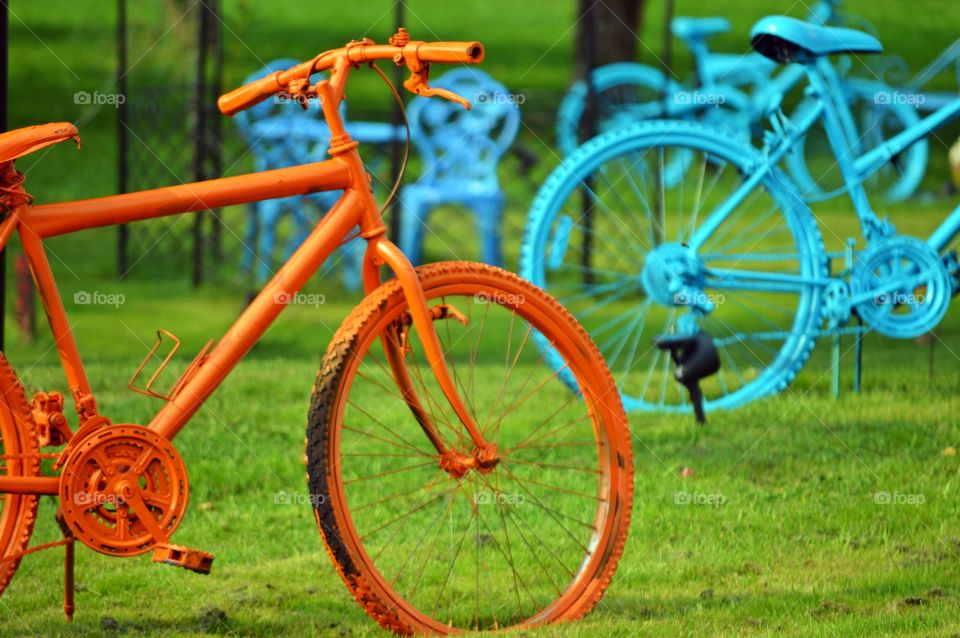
(901, 287)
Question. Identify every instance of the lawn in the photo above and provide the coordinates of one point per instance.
(799, 515)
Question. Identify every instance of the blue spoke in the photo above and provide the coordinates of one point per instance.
(636, 342)
(591, 291)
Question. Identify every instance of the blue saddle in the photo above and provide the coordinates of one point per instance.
(788, 40)
(698, 28)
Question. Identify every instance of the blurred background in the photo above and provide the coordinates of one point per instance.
(63, 51)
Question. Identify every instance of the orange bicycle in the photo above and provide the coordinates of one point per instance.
(457, 482)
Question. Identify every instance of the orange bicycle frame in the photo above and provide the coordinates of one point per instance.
(355, 208)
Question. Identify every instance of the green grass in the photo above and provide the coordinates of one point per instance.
(782, 533)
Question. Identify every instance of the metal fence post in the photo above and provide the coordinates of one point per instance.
(123, 142)
(589, 130)
(396, 120)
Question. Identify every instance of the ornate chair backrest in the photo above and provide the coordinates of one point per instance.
(461, 145)
(280, 131)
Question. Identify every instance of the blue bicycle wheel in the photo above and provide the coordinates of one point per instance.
(609, 237)
(626, 93)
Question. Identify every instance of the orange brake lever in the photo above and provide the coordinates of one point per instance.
(429, 91)
(417, 84)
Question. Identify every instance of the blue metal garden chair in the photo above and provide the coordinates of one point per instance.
(281, 133)
(460, 151)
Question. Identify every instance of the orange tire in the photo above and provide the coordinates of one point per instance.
(536, 539)
(20, 457)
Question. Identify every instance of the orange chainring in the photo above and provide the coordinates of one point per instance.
(101, 476)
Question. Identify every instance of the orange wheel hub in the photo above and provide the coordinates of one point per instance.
(113, 479)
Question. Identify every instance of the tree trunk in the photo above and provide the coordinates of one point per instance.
(616, 26)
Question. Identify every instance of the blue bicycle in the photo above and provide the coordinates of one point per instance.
(677, 228)
(732, 91)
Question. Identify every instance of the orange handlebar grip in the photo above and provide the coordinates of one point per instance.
(451, 52)
(249, 94)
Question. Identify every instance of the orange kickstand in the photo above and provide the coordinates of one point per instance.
(68, 606)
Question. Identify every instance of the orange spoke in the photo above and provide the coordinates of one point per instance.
(400, 441)
(406, 515)
(516, 404)
(534, 551)
(557, 488)
(389, 373)
(588, 470)
(524, 443)
(549, 511)
(453, 560)
(506, 380)
(434, 401)
(506, 362)
(419, 506)
(509, 549)
(389, 472)
(473, 354)
(429, 556)
(440, 475)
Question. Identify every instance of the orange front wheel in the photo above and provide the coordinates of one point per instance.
(527, 532)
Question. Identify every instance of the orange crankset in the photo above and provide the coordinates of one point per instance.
(123, 492)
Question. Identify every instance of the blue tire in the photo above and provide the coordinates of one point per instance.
(763, 336)
(627, 92)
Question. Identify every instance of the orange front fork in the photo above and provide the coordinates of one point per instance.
(382, 250)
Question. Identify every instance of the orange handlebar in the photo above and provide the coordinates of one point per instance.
(249, 94)
(414, 54)
(451, 52)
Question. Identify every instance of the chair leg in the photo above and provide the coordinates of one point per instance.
(350, 264)
(489, 217)
(270, 211)
(250, 240)
(301, 224)
(413, 218)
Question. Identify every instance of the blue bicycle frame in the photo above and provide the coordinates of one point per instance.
(855, 169)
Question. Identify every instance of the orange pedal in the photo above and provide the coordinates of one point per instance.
(193, 559)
